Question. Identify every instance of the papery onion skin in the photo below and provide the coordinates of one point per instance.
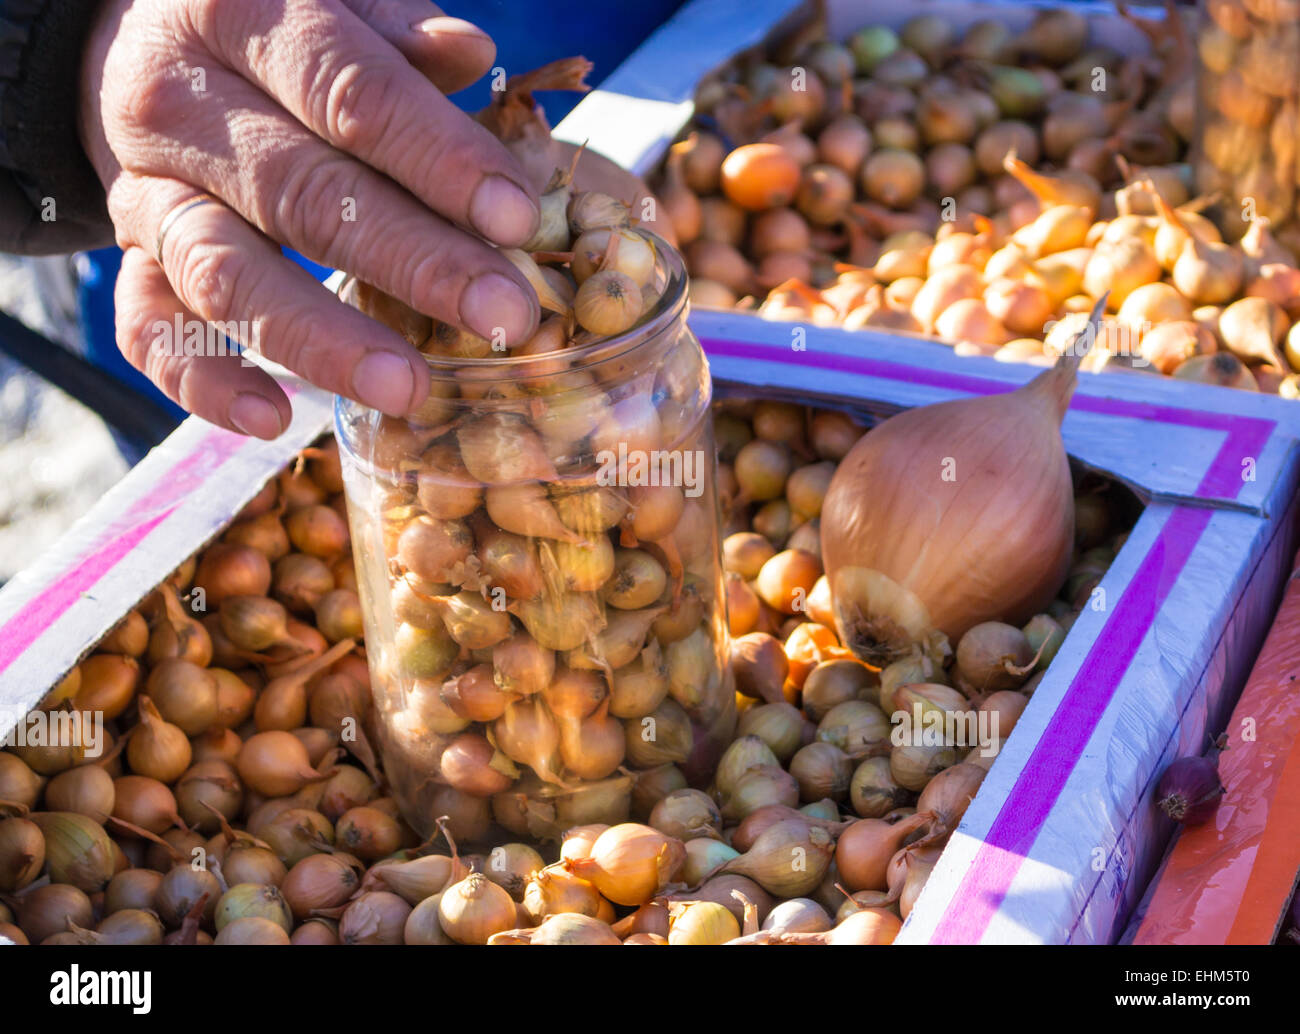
(1189, 790)
(630, 863)
(904, 557)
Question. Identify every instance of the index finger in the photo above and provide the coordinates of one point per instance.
(353, 89)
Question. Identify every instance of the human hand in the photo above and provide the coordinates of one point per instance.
(321, 125)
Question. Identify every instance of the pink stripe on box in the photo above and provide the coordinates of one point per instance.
(26, 626)
(116, 542)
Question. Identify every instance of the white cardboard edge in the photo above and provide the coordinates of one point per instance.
(1103, 839)
(188, 488)
(1167, 463)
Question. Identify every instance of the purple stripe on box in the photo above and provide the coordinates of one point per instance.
(1244, 437)
(988, 880)
(985, 885)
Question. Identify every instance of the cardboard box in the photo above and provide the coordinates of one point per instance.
(1064, 835)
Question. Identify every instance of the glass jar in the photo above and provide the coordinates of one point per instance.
(538, 562)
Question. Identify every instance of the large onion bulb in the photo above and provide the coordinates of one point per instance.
(948, 515)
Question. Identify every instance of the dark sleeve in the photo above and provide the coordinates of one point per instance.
(50, 198)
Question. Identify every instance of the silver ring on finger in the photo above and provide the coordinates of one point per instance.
(178, 210)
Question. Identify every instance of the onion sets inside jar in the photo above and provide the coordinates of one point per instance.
(509, 568)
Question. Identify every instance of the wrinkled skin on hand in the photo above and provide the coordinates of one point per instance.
(321, 125)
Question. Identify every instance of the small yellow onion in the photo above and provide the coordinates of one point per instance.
(565, 928)
(703, 857)
(1222, 368)
(375, 917)
(18, 783)
(993, 655)
(318, 881)
(950, 793)
(788, 859)
(633, 255)
(1005, 706)
(472, 621)
(759, 787)
(592, 747)
(157, 748)
(252, 900)
(854, 726)
(835, 682)
(701, 922)
(798, 915)
(185, 694)
(913, 765)
(474, 909)
(469, 764)
(77, 850)
(511, 866)
(553, 889)
(423, 925)
(660, 738)
(867, 846)
(1019, 305)
(420, 877)
(1169, 345)
(576, 842)
(687, 815)
(22, 852)
(87, 790)
(107, 684)
(822, 771)
(275, 764)
(873, 791)
(527, 733)
(608, 303)
(179, 892)
(630, 863)
(520, 666)
(741, 755)
(786, 579)
(779, 725)
(759, 666)
(132, 888)
(208, 786)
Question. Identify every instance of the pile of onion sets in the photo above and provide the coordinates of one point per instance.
(487, 699)
(248, 731)
(985, 188)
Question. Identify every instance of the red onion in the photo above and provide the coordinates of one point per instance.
(1189, 791)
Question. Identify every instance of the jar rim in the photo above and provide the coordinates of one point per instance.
(670, 307)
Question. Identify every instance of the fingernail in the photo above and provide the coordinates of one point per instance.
(445, 25)
(255, 415)
(494, 306)
(503, 213)
(384, 382)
